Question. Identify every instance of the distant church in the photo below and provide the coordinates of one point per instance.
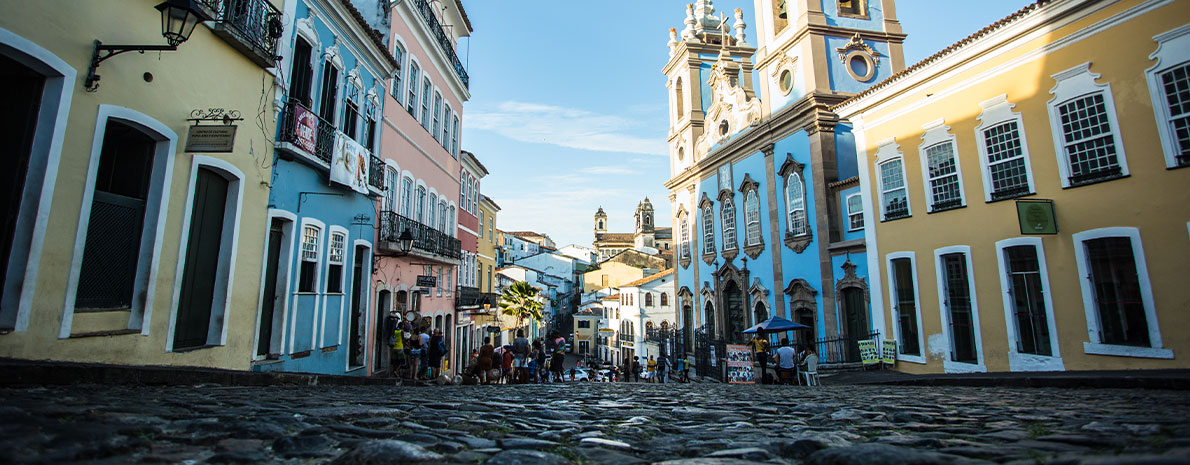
(645, 236)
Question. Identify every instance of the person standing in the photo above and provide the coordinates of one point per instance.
(679, 367)
(396, 340)
(662, 369)
(424, 335)
(636, 368)
(436, 350)
(415, 355)
(786, 362)
(484, 362)
(652, 370)
(520, 353)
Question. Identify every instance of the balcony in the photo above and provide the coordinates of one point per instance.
(444, 40)
(427, 241)
(324, 141)
(251, 26)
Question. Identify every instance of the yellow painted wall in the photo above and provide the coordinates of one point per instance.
(205, 72)
(617, 274)
(487, 248)
(1153, 198)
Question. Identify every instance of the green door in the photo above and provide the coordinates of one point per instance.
(202, 260)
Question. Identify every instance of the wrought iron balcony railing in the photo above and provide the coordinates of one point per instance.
(251, 26)
(425, 238)
(444, 41)
(324, 141)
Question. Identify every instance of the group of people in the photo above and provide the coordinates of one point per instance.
(658, 369)
(517, 363)
(416, 351)
(788, 359)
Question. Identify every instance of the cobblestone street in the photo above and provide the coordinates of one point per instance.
(591, 423)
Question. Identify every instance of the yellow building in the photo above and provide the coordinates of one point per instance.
(1025, 192)
(488, 241)
(625, 267)
(136, 239)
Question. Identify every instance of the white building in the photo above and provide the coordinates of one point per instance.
(648, 303)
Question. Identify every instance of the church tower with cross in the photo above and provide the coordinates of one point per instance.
(767, 210)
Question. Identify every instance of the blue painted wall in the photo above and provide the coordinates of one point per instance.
(860, 260)
(841, 80)
(844, 221)
(875, 15)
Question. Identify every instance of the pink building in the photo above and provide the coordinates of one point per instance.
(420, 149)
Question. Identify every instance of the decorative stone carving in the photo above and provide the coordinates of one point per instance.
(801, 295)
(731, 110)
(857, 44)
(850, 280)
(746, 186)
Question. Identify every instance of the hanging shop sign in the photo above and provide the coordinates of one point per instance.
(305, 129)
(1036, 216)
(349, 164)
(207, 135)
(427, 281)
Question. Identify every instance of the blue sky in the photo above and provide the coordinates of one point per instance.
(568, 107)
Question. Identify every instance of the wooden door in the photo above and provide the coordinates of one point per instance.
(202, 260)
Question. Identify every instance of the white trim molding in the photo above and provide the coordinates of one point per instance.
(896, 320)
(1173, 50)
(1095, 343)
(890, 152)
(228, 245)
(321, 252)
(998, 111)
(1075, 84)
(41, 176)
(289, 233)
(952, 366)
(156, 206)
(1018, 361)
(937, 134)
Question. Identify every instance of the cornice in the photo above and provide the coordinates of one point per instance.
(834, 31)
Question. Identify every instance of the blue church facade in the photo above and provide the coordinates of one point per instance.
(764, 188)
(314, 315)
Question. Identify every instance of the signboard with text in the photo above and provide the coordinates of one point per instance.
(305, 128)
(739, 364)
(211, 138)
(349, 164)
(1036, 216)
(427, 281)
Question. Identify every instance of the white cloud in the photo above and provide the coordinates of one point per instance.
(565, 127)
(608, 170)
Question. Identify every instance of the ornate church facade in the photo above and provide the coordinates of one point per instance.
(764, 189)
(645, 236)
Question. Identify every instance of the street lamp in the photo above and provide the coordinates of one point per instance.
(178, 19)
(405, 241)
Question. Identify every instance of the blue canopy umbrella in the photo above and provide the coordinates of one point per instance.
(774, 325)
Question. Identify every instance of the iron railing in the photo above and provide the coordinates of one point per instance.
(444, 40)
(376, 172)
(251, 26)
(1095, 176)
(425, 238)
(896, 209)
(324, 142)
(841, 350)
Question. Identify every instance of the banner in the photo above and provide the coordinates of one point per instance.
(739, 364)
(349, 164)
(305, 129)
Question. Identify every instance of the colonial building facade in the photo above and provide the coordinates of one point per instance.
(763, 189)
(1025, 193)
(644, 235)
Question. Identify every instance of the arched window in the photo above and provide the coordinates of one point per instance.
(678, 100)
(708, 232)
(795, 201)
(752, 217)
(431, 210)
(664, 299)
(420, 213)
(685, 232)
(728, 211)
(442, 215)
(648, 299)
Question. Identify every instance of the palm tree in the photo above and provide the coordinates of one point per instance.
(520, 301)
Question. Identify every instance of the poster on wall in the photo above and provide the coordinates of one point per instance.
(305, 129)
(739, 364)
(349, 164)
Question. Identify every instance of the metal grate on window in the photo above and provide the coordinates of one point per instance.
(310, 243)
(1176, 83)
(944, 176)
(1089, 145)
(1006, 161)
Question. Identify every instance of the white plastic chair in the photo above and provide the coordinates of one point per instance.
(810, 374)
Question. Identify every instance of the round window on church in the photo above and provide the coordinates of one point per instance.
(860, 66)
(723, 128)
(785, 81)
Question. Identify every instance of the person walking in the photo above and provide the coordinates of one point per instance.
(520, 353)
(424, 368)
(483, 364)
(662, 369)
(396, 340)
(689, 367)
(652, 367)
(415, 355)
(760, 353)
(679, 367)
(538, 362)
(436, 350)
(635, 368)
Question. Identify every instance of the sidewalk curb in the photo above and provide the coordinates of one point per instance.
(27, 372)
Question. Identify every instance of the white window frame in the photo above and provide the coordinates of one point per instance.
(708, 230)
(330, 257)
(1075, 83)
(851, 213)
(419, 203)
(685, 233)
(454, 137)
(436, 119)
(285, 284)
(728, 226)
(427, 87)
(794, 180)
(888, 152)
(228, 247)
(397, 89)
(406, 198)
(1018, 361)
(432, 210)
(996, 111)
(447, 114)
(951, 366)
(752, 232)
(892, 294)
(938, 133)
(414, 83)
(1094, 346)
(392, 186)
(1173, 50)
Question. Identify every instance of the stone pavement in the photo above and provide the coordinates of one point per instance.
(592, 423)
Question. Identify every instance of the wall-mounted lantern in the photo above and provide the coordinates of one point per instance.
(178, 19)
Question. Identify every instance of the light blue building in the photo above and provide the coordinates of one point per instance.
(768, 216)
(314, 313)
